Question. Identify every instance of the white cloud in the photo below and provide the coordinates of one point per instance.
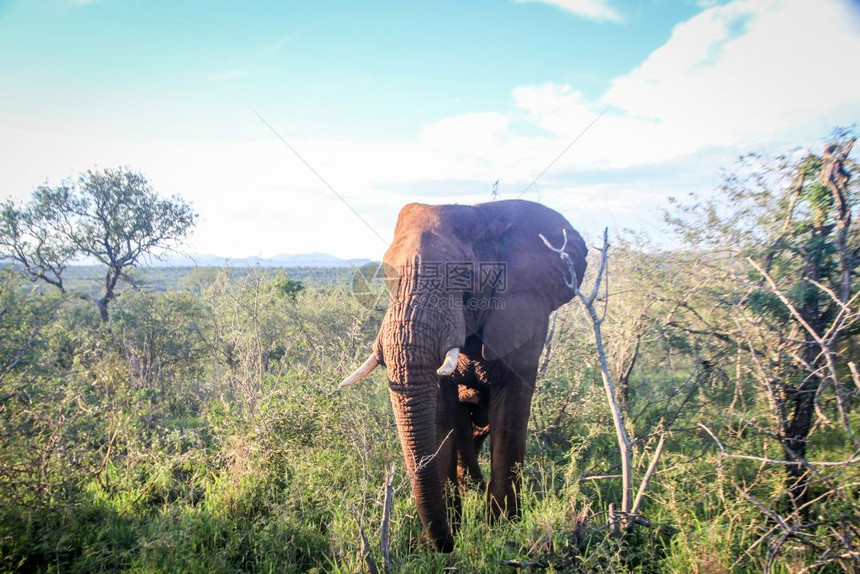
(729, 79)
(480, 130)
(736, 76)
(554, 108)
(749, 69)
(598, 10)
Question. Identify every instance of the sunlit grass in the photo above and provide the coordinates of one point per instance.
(202, 460)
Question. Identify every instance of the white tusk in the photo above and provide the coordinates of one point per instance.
(450, 362)
(365, 369)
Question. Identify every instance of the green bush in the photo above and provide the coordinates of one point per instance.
(200, 431)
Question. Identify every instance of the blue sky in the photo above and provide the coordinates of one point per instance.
(393, 102)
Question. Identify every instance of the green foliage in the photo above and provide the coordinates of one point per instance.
(145, 445)
(111, 216)
(285, 286)
(788, 222)
(200, 430)
(764, 303)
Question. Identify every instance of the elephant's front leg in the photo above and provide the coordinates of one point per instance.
(512, 384)
(510, 405)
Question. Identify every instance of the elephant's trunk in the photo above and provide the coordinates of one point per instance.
(415, 339)
(415, 413)
(420, 331)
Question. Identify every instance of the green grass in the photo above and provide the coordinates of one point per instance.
(163, 443)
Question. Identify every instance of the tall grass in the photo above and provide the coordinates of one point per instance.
(201, 432)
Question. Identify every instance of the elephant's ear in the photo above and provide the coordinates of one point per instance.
(536, 287)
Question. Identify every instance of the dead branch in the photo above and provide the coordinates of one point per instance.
(777, 405)
(366, 555)
(385, 529)
(845, 308)
(599, 477)
(643, 486)
(612, 520)
(388, 498)
(836, 178)
(550, 339)
(426, 460)
(624, 443)
(855, 456)
(855, 376)
(822, 342)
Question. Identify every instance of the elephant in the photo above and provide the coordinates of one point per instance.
(471, 292)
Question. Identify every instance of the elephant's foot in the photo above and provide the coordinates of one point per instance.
(444, 544)
(502, 503)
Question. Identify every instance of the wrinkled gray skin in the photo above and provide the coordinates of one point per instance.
(490, 392)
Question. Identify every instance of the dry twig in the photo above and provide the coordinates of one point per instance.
(628, 509)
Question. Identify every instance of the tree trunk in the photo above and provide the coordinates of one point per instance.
(796, 430)
(836, 178)
(111, 279)
(795, 437)
(103, 308)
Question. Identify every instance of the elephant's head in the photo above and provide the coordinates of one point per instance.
(458, 272)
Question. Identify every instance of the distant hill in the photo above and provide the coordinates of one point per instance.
(283, 260)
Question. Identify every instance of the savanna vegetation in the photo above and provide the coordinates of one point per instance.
(192, 423)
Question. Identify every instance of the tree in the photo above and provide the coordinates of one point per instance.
(283, 285)
(27, 237)
(110, 215)
(785, 228)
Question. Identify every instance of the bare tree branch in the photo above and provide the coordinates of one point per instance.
(385, 527)
(643, 486)
(366, 554)
(855, 457)
(824, 343)
(624, 443)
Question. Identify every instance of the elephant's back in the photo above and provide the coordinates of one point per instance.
(522, 211)
(530, 218)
